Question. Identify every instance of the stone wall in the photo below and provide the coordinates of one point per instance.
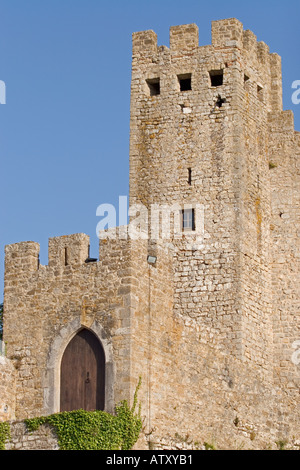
(206, 395)
(7, 389)
(22, 439)
(285, 228)
(45, 306)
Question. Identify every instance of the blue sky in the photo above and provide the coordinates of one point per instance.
(64, 130)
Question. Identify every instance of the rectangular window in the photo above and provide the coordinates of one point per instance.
(216, 77)
(185, 82)
(154, 86)
(188, 219)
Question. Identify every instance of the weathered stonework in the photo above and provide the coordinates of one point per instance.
(211, 327)
(22, 439)
(7, 389)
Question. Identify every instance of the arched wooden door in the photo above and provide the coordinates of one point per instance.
(82, 378)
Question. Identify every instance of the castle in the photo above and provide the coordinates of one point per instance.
(207, 315)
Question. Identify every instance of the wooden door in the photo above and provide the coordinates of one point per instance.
(82, 380)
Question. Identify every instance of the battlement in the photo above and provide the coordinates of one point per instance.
(231, 47)
(67, 250)
(22, 259)
(227, 33)
(184, 37)
(224, 33)
(22, 256)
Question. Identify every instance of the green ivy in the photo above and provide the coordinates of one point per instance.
(94, 430)
(4, 434)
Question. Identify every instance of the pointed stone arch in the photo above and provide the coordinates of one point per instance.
(82, 373)
(52, 377)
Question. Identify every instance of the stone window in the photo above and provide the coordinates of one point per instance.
(66, 256)
(185, 82)
(154, 86)
(260, 92)
(188, 219)
(190, 176)
(216, 77)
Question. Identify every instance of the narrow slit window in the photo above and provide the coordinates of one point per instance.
(188, 220)
(185, 82)
(154, 86)
(189, 176)
(66, 256)
(216, 77)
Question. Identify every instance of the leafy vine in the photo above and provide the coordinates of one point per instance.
(4, 434)
(94, 430)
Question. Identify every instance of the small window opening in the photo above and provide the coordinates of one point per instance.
(260, 92)
(246, 78)
(66, 256)
(185, 82)
(189, 176)
(154, 86)
(216, 77)
(220, 101)
(188, 219)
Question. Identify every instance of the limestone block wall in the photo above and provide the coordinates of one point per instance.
(21, 439)
(153, 325)
(285, 229)
(45, 306)
(193, 390)
(7, 389)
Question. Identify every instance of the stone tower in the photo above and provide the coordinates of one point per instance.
(206, 128)
(211, 326)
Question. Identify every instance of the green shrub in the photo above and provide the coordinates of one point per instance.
(94, 430)
(4, 434)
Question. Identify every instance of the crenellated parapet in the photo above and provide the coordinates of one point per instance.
(231, 45)
(67, 250)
